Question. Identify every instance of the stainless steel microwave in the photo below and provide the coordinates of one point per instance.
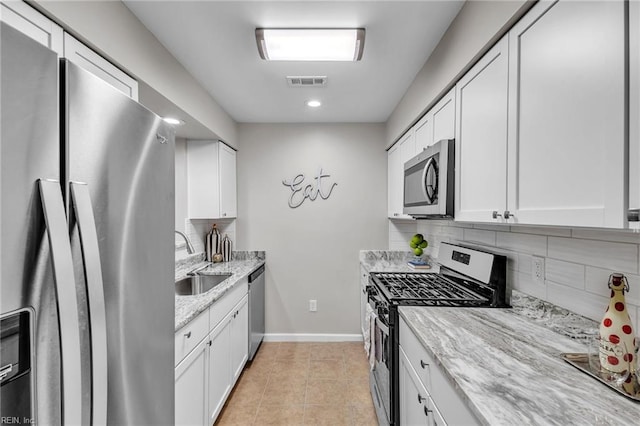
(428, 182)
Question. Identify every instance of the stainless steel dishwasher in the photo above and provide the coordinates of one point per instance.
(256, 310)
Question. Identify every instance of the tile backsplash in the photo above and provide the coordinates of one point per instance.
(577, 262)
(197, 229)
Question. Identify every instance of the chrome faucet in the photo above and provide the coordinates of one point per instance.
(190, 249)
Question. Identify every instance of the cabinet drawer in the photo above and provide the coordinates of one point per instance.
(418, 357)
(190, 335)
(443, 392)
(221, 307)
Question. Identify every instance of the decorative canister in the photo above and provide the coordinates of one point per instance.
(617, 340)
(216, 240)
(208, 248)
(226, 249)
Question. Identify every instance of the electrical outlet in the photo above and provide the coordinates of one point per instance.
(537, 269)
(313, 305)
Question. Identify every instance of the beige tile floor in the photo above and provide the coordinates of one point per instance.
(303, 384)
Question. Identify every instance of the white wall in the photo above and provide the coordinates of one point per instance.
(181, 183)
(312, 251)
(478, 25)
(112, 30)
(578, 261)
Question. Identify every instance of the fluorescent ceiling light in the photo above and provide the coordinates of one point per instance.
(310, 44)
(173, 121)
(313, 103)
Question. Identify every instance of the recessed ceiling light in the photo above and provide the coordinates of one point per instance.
(310, 44)
(173, 121)
(313, 103)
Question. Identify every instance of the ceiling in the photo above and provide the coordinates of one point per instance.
(215, 42)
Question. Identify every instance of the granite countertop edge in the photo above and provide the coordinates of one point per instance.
(189, 307)
(527, 374)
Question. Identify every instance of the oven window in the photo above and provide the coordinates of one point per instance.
(421, 183)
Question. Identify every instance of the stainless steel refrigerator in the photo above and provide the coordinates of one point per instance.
(86, 247)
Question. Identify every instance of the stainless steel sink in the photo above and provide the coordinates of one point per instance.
(198, 284)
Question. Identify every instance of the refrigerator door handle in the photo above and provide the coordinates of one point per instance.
(83, 209)
(68, 322)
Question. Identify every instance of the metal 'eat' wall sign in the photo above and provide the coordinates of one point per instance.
(300, 192)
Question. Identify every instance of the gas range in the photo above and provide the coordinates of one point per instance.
(468, 277)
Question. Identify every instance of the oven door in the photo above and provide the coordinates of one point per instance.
(428, 182)
(380, 376)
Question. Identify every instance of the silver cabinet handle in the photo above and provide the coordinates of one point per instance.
(68, 322)
(83, 209)
(187, 335)
(423, 364)
(224, 214)
(495, 214)
(421, 399)
(395, 214)
(508, 214)
(427, 411)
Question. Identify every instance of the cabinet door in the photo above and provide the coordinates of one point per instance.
(364, 278)
(202, 179)
(393, 172)
(567, 115)
(227, 170)
(239, 338)
(413, 396)
(481, 138)
(219, 373)
(444, 117)
(400, 153)
(86, 58)
(424, 132)
(26, 19)
(191, 387)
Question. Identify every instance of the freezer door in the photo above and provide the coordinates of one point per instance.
(29, 135)
(125, 156)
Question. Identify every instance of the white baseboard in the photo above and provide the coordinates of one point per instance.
(294, 337)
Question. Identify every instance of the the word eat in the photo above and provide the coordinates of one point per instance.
(300, 192)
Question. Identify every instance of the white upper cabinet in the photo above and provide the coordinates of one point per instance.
(228, 181)
(29, 21)
(424, 132)
(438, 123)
(399, 154)
(211, 175)
(86, 58)
(481, 138)
(541, 121)
(567, 115)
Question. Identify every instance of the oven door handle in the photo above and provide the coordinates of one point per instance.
(382, 326)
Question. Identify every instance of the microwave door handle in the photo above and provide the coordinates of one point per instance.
(83, 209)
(423, 187)
(66, 299)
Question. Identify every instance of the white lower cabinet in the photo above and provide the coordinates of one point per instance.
(205, 376)
(364, 280)
(219, 367)
(191, 387)
(416, 405)
(239, 338)
(427, 397)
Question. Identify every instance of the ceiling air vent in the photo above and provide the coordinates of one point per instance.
(307, 81)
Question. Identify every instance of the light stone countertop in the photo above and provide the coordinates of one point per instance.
(505, 364)
(188, 307)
